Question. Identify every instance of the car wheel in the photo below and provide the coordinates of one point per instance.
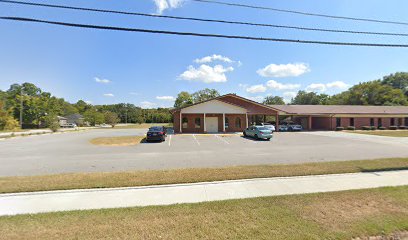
(245, 134)
(256, 137)
(268, 139)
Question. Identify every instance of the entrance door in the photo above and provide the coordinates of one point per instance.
(211, 124)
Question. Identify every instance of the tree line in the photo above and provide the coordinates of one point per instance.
(40, 109)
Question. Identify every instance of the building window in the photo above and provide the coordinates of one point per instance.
(400, 121)
(197, 123)
(392, 121)
(406, 121)
(238, 122)
(352, 122)
(184, 122)
(379, 122)
(226, 122)
(371, 122)
(338, 122)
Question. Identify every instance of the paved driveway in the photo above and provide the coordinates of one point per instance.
(72, 152)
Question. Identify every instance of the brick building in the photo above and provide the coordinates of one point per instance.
(232, 113)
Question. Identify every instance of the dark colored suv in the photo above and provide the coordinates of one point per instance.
(156, 134)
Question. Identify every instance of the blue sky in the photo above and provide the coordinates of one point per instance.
(148, 70)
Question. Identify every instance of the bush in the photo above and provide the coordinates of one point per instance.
(402, 127)
(373, 128)
(11, 124)
(339, 128)
(393, 127)
(51, 121)
(366, 128)
(351, 128)
(381, 128)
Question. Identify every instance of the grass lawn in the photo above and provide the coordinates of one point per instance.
(386, 133)
(143, 178)
(143, 125)
(338, 215)
(118, 141)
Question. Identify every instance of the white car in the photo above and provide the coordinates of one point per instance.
(269, 126)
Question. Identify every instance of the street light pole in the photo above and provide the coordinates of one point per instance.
(21, 108)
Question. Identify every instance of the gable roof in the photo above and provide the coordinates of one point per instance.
(220, 98)
(341, 109)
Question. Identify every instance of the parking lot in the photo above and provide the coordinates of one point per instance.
(72, 152)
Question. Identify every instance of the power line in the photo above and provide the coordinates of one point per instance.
(204, 20)
(300, 12)
(203, 34)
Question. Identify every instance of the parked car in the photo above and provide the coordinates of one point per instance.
(269, 126)
(156, 134)
(295, 128)
(283, 128)
(68, 125)
(258, 132)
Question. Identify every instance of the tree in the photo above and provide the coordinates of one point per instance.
(371, 93)
(310, 98)
(273, 100)
(111, 118)
(93, 117)
(204, 94)
(183, 99)
(398, 80)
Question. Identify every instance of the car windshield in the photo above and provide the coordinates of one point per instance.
(155, 129)
(262, 128)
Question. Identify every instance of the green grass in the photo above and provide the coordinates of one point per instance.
(386, 133)
(338, 215)
(143, 178)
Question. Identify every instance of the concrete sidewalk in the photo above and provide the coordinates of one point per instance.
(37, 202)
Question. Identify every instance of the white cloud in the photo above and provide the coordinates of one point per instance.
(213, 58)
(257, 98)
(316, 87)
(165, 98)
(88, 102)
(162, 5)
(108, 95)
(289, 94)
(272, 84)
(99, 80)
(242, 85)
(337, 84)
(206, 74)
(147, 104)
(322, 87)
(256, 89)
(284, 70)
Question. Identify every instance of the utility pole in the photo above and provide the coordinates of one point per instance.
(21, 107)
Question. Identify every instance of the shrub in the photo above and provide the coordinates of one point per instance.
(351, 128)
(51, 121)
(366, 128)
(381, 128)
(402, 127)
(10, 124)
(373, 127)
(339, 128)
(393, 127)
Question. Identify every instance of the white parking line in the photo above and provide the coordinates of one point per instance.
(221, 139)
(196, 140)
(169, 140)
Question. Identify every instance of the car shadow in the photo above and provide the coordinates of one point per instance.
(254, 139)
